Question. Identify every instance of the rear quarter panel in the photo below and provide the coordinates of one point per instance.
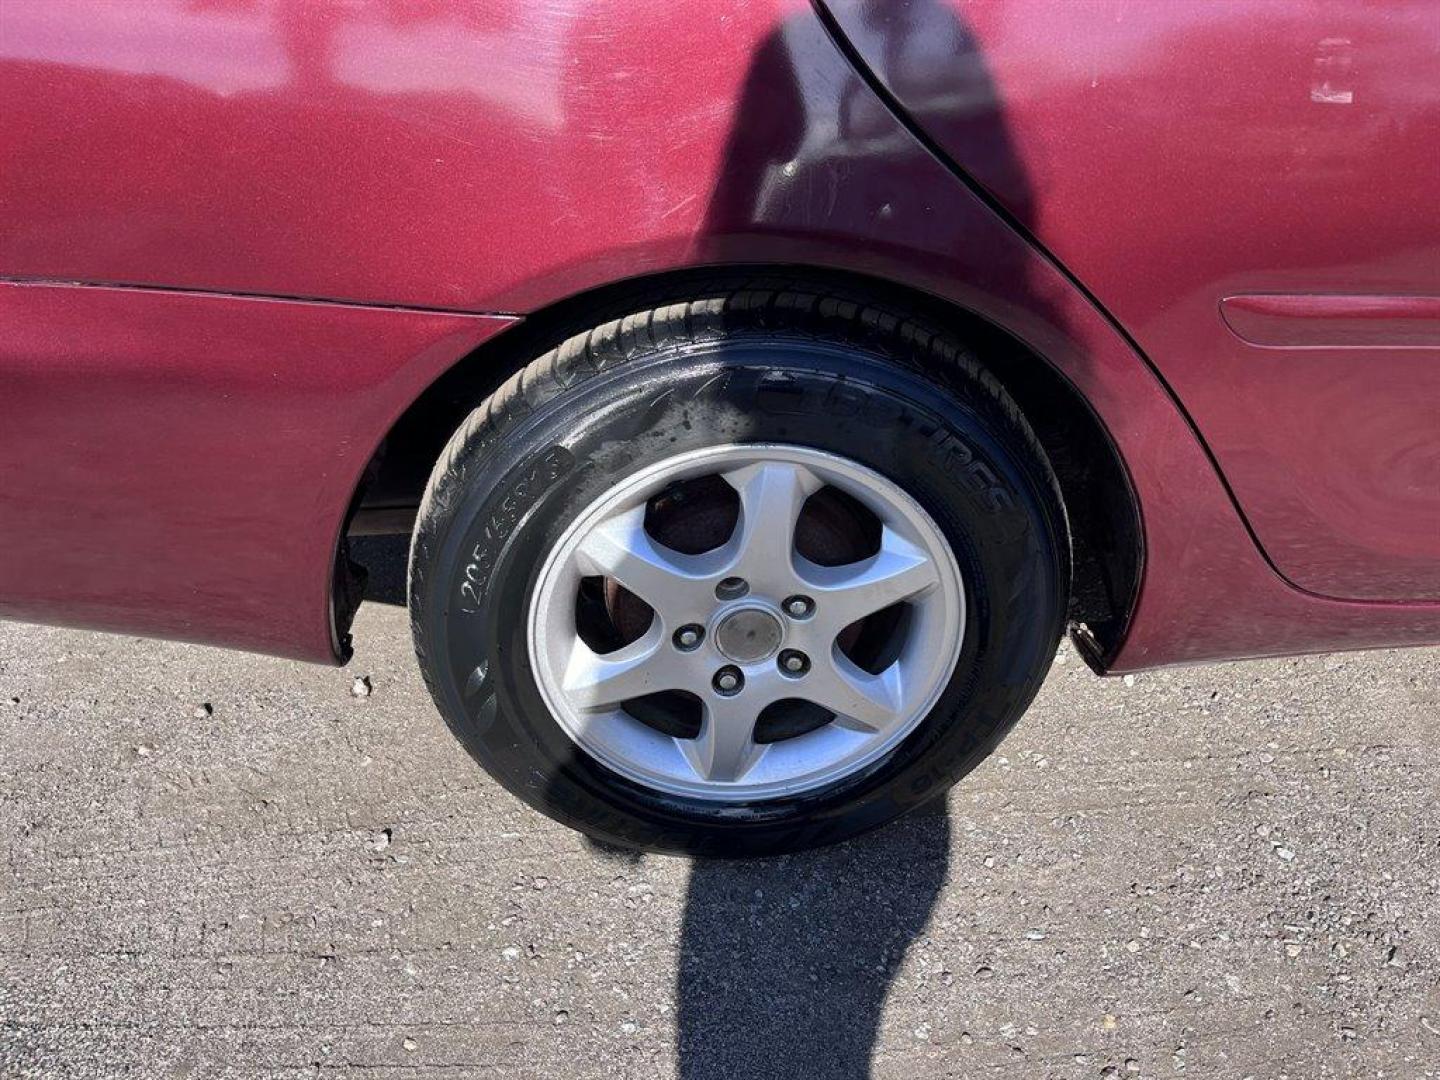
(1190, 161)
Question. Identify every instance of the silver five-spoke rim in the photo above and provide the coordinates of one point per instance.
(747, 624)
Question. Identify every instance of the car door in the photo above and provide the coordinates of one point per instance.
(1251, 189)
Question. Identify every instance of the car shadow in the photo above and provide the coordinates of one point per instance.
(384, 559)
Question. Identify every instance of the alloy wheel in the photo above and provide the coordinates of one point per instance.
(746, 664)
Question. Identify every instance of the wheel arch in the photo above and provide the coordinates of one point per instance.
(1101, 506)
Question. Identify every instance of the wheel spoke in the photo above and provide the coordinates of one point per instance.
(725, 749)
(860, 700)
(772, 495)
(603, 681)
(846, 594)
(621, 549)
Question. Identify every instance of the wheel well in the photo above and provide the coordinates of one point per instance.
(1103, 516)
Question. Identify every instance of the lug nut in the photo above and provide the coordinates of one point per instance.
(689, 637)
(732, 588)
(794, 663)
(728, 680)
(799, 607)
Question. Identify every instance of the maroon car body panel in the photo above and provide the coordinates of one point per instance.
(181, 463)
(1174, 155)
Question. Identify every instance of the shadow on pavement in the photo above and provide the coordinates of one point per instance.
(384, 559)
(785, 963)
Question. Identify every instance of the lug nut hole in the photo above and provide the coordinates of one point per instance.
(729, 680)
(689, 637)
(731, 588)
(793, 663)
(799, 607)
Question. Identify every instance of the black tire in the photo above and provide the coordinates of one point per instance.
(756, 365)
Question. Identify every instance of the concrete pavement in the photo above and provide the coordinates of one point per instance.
(223, 865)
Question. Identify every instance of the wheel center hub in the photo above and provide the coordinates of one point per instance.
(749, 635)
